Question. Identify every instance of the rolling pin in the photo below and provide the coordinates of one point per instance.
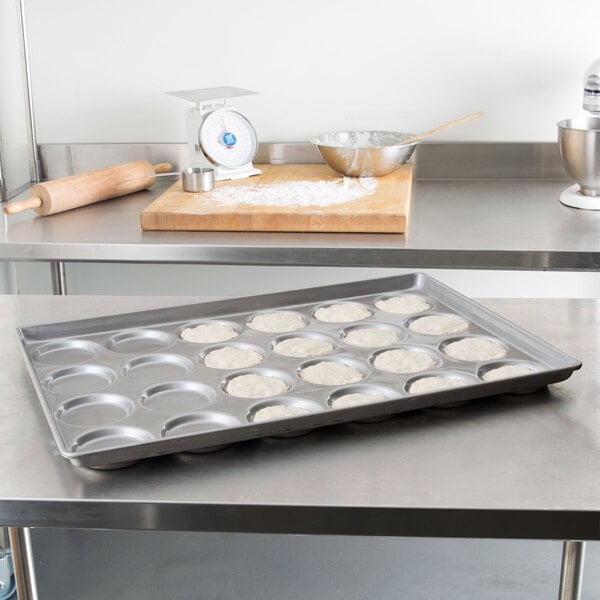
(59, 195)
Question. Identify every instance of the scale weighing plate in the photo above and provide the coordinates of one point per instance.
(219, 136)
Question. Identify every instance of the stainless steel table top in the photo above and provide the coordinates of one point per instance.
(489, 224)
(516, 466)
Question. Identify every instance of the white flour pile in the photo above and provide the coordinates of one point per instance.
(295, 193)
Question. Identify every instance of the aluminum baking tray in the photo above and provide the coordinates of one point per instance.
(123, 388)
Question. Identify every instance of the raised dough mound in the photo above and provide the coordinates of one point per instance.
(331, 373)
(371, 337)
(439, 324)
(277, 322)
(475, 349)
(232, 357)
(300, 347)
(349, 400)
(280, 411)
(403, 361)
(208, 333)
(403, 305)
(344, 312)
(256, 386)
(506, 372)
(434, 384)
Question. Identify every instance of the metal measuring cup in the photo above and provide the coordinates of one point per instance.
(194, 179)
(198, 179)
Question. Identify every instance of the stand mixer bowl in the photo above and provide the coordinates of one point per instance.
(579, 147)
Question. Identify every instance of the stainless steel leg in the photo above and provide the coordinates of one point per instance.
(571, 573)
(3, 190)
(22, 555)
(59, 278)
(35, 166)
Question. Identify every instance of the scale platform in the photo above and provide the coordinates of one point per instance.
(214, 93)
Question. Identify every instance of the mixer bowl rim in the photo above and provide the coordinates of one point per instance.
(576, 124)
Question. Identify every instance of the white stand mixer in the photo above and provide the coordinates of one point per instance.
(579, 146)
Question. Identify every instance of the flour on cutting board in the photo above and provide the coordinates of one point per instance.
(294, 193)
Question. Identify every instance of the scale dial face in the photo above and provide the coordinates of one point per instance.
(227, 138)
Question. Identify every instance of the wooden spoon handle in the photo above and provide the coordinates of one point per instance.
(418, 138)
(20, 205)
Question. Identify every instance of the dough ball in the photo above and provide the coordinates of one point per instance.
(208, 333)
(439, 324)
(331, 373)
(232, 357)
(403, 361)
(256, 386)
(349, 400)
(475, 349)
(505, 372)
(301, 347)
(403, 305)
(371, 337)
(279, 411)
(434, 384)
(277, 322)
(344, 312)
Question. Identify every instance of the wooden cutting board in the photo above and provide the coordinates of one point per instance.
(385, 210)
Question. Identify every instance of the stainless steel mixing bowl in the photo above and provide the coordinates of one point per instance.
(364, 153)
(579, 146)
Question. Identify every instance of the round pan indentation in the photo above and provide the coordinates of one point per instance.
(209, 331)
(261, 383)
(177, 396)
(139, 341)
(81, 379)
(404, 359)
(66, 352)
(301, 344)
(157, 367)
(343, 370)
(283, 408)
(342, 312)
(357, 395)
(435, 381)
(473, 348)
(277, 321)
(110, 438)
(372, 335)
(398, 303)
(94, 410)
(506, 369)
(197, 422)
(437, 324)
(244, 356)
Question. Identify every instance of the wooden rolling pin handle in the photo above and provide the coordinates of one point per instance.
(68, 190)
(13, 208)
(163, 168)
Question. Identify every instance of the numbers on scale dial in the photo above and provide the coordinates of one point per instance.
(227, 138)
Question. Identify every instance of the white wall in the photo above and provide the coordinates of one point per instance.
(101, 68)
(13, 128)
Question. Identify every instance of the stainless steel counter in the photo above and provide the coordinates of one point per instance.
(512, 467)
(491, 223)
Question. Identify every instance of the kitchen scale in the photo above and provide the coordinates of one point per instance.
(218, 136)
